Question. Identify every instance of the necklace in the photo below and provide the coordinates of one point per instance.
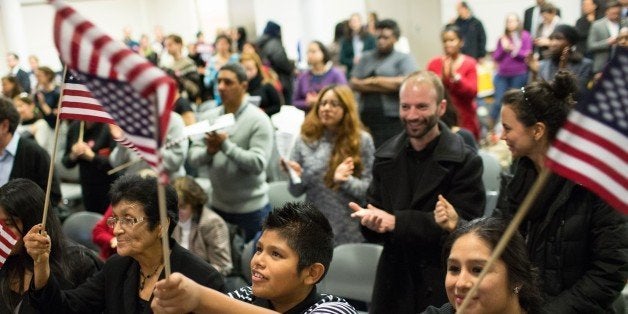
(144, 277)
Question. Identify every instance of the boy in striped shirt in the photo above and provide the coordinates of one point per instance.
(291, 257)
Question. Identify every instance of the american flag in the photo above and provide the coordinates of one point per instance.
(78, 103)
(7, 241)
(138, 96)
(592, 147)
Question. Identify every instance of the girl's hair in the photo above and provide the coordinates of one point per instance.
(347, 140)
(17, 88)
(450, 117)
(521, 272)
(452, 28)
(191, 193)
(24, 200)
(223, 37)
(247, 56)
(519, 28)
(545, 102)
(326, 55)
(26, 98)
(48, 72)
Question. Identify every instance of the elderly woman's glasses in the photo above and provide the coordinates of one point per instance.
(125, 222)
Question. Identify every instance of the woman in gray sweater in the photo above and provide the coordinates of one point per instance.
(334, 158)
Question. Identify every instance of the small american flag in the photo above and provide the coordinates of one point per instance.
(78, 103)
(7, 242)
(592, 147)
(136, 94)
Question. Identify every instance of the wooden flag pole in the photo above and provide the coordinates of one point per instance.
(123, 166)
(161, 195)
(510, 231)
(51, 169)
(81, 131)
(165, 245)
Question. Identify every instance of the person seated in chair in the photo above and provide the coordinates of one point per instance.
(291, 257)
(127, 280)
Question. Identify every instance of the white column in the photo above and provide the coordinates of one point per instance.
(13, 29)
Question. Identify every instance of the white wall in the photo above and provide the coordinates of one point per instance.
(492, 13)
(301, 20)
(112, 16)
(305, 20)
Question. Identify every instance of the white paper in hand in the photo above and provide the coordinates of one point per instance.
(285, 142)
(205, 126)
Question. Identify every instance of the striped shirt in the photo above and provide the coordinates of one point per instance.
(313, 304)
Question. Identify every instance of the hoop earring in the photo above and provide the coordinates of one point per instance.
(516, 289)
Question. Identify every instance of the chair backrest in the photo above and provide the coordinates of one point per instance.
(352, 271)
(278, 194)
(491, 202)
(78, 227)
(245, 262)
(492, 169)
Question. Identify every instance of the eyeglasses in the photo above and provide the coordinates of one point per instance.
(124, 221)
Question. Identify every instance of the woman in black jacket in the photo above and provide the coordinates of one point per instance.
(260, 85)
(126, 282)
(576, 240)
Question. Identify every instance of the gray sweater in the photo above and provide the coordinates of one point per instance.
(334, 204)
(237, 171)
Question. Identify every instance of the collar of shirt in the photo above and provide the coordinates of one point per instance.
(243, 105)
(11, 147)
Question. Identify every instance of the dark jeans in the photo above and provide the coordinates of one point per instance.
(503, 84)
(251, 222)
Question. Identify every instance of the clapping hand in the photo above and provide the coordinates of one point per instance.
(373, 218)
(445, 214)
(344, 170)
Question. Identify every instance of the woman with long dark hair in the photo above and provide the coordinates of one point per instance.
(512, 285)
(21, 208)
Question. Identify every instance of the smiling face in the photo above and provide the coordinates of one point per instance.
(274, 273)
(418, 109)
(518, 137)
(330, 110)
(468, 256)
(136, 238)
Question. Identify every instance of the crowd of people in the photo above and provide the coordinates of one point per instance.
(387, 153)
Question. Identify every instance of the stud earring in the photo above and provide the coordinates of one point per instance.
(516, 289)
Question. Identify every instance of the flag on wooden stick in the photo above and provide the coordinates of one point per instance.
(136, 94)
(592, 147)
(7, 242)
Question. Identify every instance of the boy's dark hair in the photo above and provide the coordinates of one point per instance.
(391, 25)
(134, 188)
(307, 232)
